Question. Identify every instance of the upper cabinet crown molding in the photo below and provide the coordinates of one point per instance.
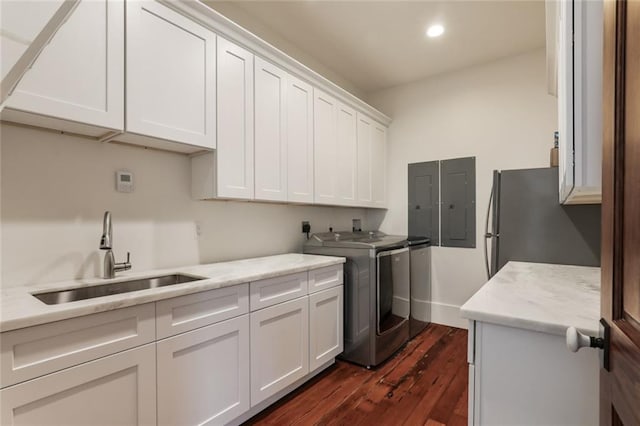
(234, 32)
(77, 78)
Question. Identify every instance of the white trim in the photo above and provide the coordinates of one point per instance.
(445, 314)
(228, 29)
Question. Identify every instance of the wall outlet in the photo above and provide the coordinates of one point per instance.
(306, 227)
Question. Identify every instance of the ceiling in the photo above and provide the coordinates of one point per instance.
(379, 44)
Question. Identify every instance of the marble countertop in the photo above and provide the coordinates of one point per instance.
(539, 297)
(19, 309)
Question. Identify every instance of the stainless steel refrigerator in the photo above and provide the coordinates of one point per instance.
(529, 224)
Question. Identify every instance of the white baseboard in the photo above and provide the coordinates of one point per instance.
(445, 314)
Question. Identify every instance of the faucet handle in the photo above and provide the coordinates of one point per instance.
(128, 257)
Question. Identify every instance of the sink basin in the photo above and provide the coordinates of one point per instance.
(82, 293)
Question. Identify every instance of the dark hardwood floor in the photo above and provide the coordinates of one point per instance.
(423, 384)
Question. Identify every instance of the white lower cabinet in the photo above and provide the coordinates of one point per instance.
(279, 347)
(116, 390)
(325, 326)
(203, 375)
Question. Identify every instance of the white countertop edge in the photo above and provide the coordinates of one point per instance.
(524, 323)
(36, 312)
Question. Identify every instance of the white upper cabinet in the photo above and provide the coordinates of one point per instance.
(299, 141)
(170, 76)
(235, 122)
(378, 165)
(270, 132)
(579, 35)
(325, 109)
(346, 160)
(79, 76)
(364, 160)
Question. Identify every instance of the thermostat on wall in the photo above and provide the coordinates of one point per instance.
(124, 181)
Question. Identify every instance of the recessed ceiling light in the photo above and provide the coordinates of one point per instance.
(435, 30)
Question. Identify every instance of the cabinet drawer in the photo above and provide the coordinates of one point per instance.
(35, 351)
(323, 278)
(180, 314)
(277, 290)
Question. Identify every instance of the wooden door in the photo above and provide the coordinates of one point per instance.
(279, 347)
(325, 132)
(346, 161)
(115, 390)
(170, 75)
(270, 131)
(299, 141)
(325, 326)
(79, 76)
(620, 386)
(203, 375)
(235, 121)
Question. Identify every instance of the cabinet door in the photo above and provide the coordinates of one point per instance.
(364, 160)
(79, 76)
(346, 161)
(235, 121)
(279, 347)
(203, 375)
(378, 165)
(270, 132)
(116, 390)
(324, 148)
(170, 75)
(299, 141)
(325, 326)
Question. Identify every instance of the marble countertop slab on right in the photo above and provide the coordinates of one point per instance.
(540, 297)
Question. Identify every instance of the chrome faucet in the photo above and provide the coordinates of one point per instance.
(110, 265)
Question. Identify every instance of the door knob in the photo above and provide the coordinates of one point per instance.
(577, 340)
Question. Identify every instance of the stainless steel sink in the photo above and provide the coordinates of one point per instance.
(82, 293)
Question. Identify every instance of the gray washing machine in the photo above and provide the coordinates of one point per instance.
(376, 291)
(420, 278)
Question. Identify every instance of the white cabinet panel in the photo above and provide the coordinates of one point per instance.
(364, 160)
(345, 158)
(115, 390)
(325, 137)
(270, 132)
(324, 278)
(203, 375)
(378, 165)
(21, 23)
(279, 347)
(35, 351)
(325, 326)
(299, 141)
(185, 313)
(270, 291)
(170, 75)
(579, 49)
(235, 122)
(79, 76)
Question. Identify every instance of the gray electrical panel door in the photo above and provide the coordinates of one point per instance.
(424, 220)
(458, 208)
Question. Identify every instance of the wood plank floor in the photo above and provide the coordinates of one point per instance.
(423, 384)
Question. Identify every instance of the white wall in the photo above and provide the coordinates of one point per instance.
(498, 112)
(55, 189)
